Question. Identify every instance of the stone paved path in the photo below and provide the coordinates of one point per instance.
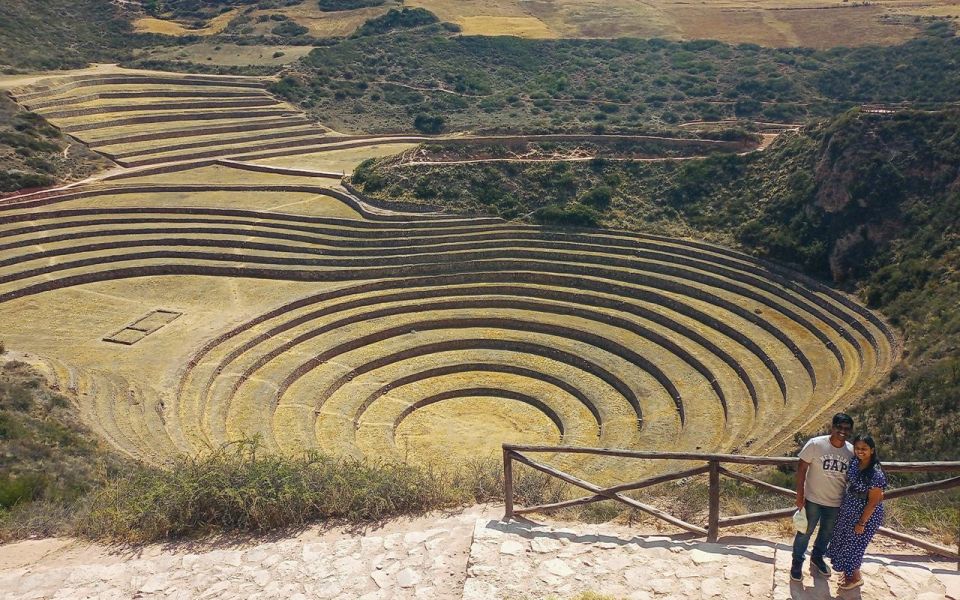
(469, 555)
(519, 560)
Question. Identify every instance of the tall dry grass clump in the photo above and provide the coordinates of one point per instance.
(240, 488)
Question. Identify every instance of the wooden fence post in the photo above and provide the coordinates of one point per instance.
(507, 485)
(713, 518)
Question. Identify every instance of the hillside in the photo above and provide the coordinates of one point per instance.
(57, 34)
(382, 83)
(35, 154)
(869, 201)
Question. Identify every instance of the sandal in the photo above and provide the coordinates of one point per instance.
(849, 585)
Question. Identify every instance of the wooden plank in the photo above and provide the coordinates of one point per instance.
(921, 488)
(759, 483)
(732, 458)
(780, 513)
(624, 487)
(922, 467)
(597, 490)
(507, 484)
(931, 547)
(713, 514)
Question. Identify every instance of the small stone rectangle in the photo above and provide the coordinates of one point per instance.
(154, 320)
(125, 336)
(142, 327)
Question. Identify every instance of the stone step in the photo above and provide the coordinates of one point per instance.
(521, 559)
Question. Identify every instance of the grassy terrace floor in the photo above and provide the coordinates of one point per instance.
(312, 321)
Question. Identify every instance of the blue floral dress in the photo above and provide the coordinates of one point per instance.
(846, 548)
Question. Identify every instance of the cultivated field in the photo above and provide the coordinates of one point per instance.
(780, 23)
(812, 23)
(205, 296)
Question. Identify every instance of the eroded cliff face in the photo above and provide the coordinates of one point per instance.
(877, 178)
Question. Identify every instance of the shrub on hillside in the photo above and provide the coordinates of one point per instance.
(405, 18)
(338, 5)
(573, 215)
(429, 124)
(598, 197)
(289, 29)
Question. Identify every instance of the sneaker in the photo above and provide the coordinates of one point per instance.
(820, 566)
(796, 571)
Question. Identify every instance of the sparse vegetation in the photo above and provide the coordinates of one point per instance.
(510, 84)
(34, 154)
(57, 34)
(48, 460)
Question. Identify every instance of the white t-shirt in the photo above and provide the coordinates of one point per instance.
(827, 475)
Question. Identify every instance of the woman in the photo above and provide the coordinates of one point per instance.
(861, 512)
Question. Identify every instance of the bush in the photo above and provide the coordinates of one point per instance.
(598, 197)
(429, 124)
(289, 29)
(338, 5)
(405, 18)
(573, 215)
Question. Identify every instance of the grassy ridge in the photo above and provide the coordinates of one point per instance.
(869, 201)
(381, 83)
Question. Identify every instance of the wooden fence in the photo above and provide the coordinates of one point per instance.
(713, 466)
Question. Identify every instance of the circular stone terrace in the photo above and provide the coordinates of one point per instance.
(212, 291)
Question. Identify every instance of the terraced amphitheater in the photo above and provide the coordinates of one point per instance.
(193, 300)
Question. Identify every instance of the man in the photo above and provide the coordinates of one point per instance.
(821, 479)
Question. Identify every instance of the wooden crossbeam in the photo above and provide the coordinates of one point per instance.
(624, 487)
(613, 496)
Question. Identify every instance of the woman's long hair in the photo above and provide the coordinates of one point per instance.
(867, 474)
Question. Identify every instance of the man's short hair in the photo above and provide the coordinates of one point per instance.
(841, 418)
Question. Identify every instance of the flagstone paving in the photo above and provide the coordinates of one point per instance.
(470, 555)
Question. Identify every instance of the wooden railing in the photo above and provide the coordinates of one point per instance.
(712, 465)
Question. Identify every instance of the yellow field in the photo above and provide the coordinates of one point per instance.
(814, 23)
(781, 23)
(154, 25)
(344, 161)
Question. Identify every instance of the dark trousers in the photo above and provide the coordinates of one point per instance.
(826, 516)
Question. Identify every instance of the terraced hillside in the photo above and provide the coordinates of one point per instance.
(191, 303)
(140, 119)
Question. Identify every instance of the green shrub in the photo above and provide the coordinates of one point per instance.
(289, 29)
(598, 197)
(405, 18)
(338, 5)
(429, 124)
(572, 215)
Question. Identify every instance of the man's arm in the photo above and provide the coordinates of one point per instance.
(801, 480)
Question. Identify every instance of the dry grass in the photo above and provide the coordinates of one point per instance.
(344, 161)
(164, 27)
(228, 54)
(781, 23)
